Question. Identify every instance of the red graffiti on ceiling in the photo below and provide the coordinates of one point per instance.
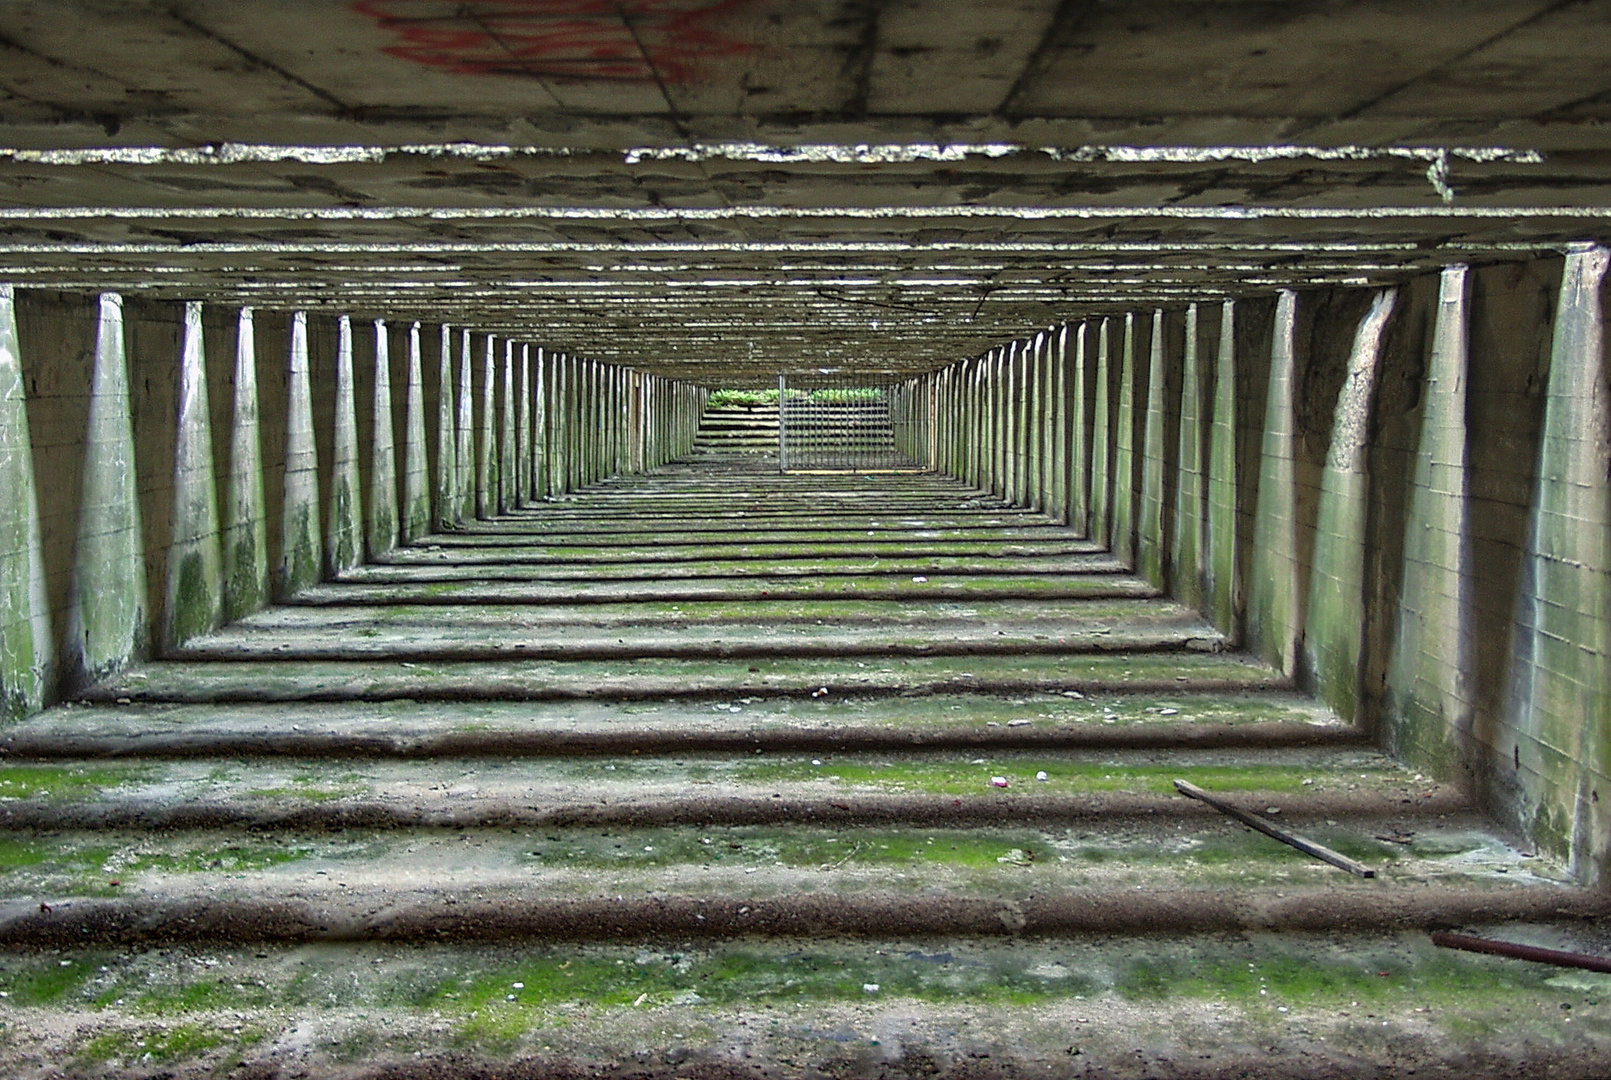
(612, 40)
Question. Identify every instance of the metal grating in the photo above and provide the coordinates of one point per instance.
(847, 423)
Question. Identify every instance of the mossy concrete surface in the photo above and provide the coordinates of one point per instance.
(532, 800)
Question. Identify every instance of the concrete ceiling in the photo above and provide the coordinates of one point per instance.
(718, 189)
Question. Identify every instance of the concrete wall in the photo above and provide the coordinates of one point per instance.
(168, 466)
(1398, 498)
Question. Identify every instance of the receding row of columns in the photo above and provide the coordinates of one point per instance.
(384, 434)
(1399, 498)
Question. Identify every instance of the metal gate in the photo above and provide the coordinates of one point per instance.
(829, 423)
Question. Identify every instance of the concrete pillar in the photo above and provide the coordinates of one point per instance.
(1273, 618)
(1221, 556)
(486, 432)
(543, 424)
(1152, 538)
(245, 546)
(538, 441)
(194, 599)
(522, 441)
(1123, 544)
(106, 626)
(301, 546)
(1053, 419)
(1428, 699)
(1334, 617)
(464, 421)
(448, 499)
(1562, 665)
(414, 519)
(1079, 473)
(1191, 493)
(1011, 403)
(558, 418)
(344, 547)
(382, 501)
(27, 658)
(1102, 439)
(508, 497)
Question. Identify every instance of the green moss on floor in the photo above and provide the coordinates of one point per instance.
(63, 781)
(953, 777)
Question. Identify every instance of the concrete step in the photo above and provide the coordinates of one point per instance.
(832, 722)
(514, 678)
(1293, 1003)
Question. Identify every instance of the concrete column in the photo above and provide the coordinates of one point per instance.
(106, 625)
(537, 430)
(301, 545)
(1334, 617)
(1124, 451)
(27, 658)
(382, 503)
(1051, 419)
(1191, 492)
(559, 420)
(486, 433)
(448, 499)
(245, 546)
(194, 599)
(1428, 694)
(1562, 667)
(543, 423)
(522, 446)
(345, 541)
(1221, 578)
(1078, 475)
(1273, 617)
(1027, 406)
(464, 422)
(1010, 404)
(576, 387)
(995, 422)
(1152, 538)
(508, 450)
(1102, 439)
(415, 517)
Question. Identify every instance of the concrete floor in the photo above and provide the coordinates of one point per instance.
(874, 780)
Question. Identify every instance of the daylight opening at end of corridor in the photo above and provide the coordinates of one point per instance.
(871, 538)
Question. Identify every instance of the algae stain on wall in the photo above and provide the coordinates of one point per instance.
(1335, 615)
(106, 621)
(194, 598)
(1220, 558)
(245, 547)
(27, 661)
(1562, 664)
(1190, 495)
(414, 520)
(1272, 600)
(1428, 701)
(302, 551)
(345, 543)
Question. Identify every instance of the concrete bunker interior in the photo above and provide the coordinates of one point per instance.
(415, 662)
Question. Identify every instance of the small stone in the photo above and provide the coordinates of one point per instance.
(1168, 712)
(919, 580)
(1272, 809)
(1019, 723)
(1041, 776)
(998, 781)
(869, 988)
